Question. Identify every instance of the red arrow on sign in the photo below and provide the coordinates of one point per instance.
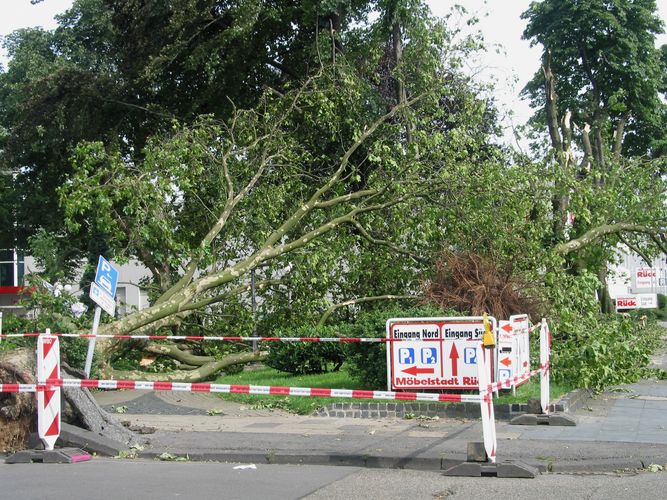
(506, 361)
(507, 327)
(454, 356)
(413, 370)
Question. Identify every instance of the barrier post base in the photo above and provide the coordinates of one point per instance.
(478, 465)
(535, 416)
(555, 419)
(59, 456)
(501, 469)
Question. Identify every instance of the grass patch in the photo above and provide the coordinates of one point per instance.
(531, 390)
(295, 404)
(340, 380)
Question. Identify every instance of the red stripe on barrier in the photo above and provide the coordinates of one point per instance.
(201, 387)
(10, 387)
(48, 344)
(125, 384)
(163, 386)
(451, 398)
(54, 428)
(48, 394)
(362, 394)
(319, 392)
(90, 383)
(239, 389)
(406, 396)
(279, 391)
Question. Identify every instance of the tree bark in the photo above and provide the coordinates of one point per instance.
(201, 373)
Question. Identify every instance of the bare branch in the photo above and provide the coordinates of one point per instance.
(596, 233)
(333, 308)
(386, 243)
(635, 249)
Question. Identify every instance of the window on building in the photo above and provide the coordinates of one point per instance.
(12, 268)
(121, 301)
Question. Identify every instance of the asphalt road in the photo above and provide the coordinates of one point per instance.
(117, 479)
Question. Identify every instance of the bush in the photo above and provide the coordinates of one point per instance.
(603, 351)
(591, 349)
(302, 358)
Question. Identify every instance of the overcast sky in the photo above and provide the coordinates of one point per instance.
(500, 23)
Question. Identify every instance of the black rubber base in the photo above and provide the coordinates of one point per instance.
(59, 456)
(503, 469)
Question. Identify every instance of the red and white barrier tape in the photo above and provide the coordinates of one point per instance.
(243, 389)
(507, 383)
(18, 388)
(232, 339)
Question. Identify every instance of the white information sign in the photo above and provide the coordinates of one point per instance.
(513, 349)
(102, 298)
(637, 301)
(434, 353)
(646, 278)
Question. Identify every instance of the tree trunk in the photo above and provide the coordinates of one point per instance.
(606, 304)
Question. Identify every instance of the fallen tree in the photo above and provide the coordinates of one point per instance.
(18, 412)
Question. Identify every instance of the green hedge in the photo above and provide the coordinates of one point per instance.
(303, 358)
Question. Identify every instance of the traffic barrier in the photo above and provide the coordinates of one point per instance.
(48, 388)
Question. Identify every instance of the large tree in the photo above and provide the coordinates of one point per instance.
(325, 188)
(600, 96)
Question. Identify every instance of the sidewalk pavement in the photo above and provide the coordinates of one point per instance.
(624, 428)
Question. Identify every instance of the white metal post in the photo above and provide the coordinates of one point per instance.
(544, 365)
(486, 405)
(92, 340)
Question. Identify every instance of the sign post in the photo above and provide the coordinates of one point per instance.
(486, 405)
(102, 292)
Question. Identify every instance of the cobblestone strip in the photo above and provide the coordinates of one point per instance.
(568, 403)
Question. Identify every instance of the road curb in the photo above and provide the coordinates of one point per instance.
(576, 466)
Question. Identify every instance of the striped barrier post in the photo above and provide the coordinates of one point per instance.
(48, 407)
(48, 399)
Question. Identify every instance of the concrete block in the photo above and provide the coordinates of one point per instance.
(515, 469)
(534, 406)
(554, 419)
(477, 453)
(77, 437)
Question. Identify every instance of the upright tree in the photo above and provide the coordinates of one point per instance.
(600, 96)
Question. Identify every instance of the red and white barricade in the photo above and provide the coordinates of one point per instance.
(49, 383)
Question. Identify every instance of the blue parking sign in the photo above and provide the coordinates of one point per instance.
(106, 276)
